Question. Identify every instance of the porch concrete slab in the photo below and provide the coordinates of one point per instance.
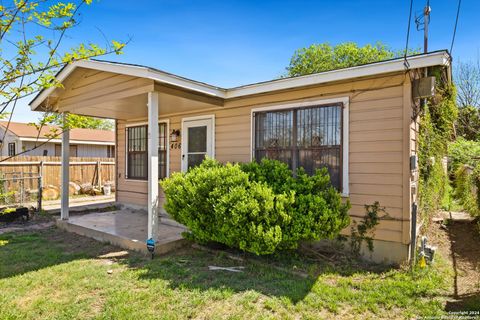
(125, 228)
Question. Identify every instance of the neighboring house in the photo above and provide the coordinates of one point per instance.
(356, 121)
(21, 137)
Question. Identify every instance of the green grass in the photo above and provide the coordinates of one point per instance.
(56, 275)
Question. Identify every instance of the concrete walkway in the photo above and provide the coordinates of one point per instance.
(125, 228)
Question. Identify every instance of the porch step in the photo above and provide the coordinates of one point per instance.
(163, 246)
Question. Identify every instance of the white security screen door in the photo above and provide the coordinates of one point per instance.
(197, 141)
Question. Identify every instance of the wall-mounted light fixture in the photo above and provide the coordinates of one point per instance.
(174, 135)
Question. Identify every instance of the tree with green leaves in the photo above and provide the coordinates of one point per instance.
(77, 121)
(33, 49)
(325, 57)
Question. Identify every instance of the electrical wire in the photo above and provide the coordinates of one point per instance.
(455, 28)
(406, 64)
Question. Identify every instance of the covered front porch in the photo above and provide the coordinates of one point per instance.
(130, 94)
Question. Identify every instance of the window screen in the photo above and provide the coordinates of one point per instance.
(137, 152)
(304, 137)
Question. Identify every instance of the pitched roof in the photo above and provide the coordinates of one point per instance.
(441, 57)
(24, 130)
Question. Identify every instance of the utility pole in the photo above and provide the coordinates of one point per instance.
(426, 21)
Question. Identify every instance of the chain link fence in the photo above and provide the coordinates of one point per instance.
(21, 189)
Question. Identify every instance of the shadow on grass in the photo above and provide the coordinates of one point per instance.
(22, 252)
(464, 302)
(286, 275)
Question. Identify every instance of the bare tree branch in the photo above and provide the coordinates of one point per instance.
(467, 80)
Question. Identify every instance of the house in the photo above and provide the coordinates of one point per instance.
(22, 137)
(357, 121)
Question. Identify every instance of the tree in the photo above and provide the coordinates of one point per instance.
(467, 80)
(32, 34)
(77, 121)
(468, 123)
(325, 57)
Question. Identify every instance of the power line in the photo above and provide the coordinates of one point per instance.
(408, 36)
(455, 28)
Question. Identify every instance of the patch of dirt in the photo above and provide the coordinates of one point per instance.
(37, 222)
(459, 241)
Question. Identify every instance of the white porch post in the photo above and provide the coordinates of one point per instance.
(152, 165)
(65, 169)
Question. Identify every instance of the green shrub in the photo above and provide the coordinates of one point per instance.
(252, 209)
(462, 152)
(318, 211)
(465, 188)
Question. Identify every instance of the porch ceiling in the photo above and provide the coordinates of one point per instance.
(109, 95)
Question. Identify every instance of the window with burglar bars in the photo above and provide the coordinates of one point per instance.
(137, 152)
(308, 137)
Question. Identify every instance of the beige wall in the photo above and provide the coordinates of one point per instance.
(379, 145)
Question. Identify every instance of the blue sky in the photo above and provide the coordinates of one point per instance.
(230, 43)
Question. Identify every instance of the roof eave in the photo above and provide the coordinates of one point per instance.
(129, 70)
(414, 62)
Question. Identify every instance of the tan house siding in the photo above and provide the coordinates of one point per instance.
(377, 144)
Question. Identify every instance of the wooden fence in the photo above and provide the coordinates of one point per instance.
(82, 170)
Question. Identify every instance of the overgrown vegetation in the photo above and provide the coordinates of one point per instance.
(364, 231)
(461, 152)
(466, 188)
(257, 207)
(437, 120)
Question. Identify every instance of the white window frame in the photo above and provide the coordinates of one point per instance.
(187, 119)
(311, 103)
(145, 123)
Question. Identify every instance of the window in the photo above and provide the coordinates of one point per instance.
(162, 150)
(73, 150)
(11, 149)
(110, 151)
(309, 137)
(137, 152)
(137, 161)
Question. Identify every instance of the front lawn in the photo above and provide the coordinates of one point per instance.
(53, 274)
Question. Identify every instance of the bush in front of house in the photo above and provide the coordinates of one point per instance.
(259, 208)
(318, 211)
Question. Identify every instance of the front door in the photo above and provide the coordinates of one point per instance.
(197, 141)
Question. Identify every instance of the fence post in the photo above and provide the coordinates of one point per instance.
(40, 169)
(99, 173)
(40, 193)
